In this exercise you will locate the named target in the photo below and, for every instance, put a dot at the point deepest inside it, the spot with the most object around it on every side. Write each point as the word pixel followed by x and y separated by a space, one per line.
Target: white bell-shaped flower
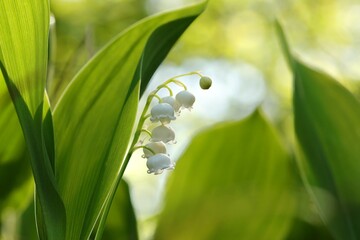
pixel 162 133
pixel 162 112
pixel 186 99
pixel 158 163
pixel 172 101
pixel 156 147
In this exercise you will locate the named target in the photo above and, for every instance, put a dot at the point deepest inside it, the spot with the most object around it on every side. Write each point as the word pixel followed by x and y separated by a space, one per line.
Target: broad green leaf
pixel 158 46
pixel 233 182
pixel 27 226
pixel 327 118
pixel 24 27
pixel 94 119
pixel 327 125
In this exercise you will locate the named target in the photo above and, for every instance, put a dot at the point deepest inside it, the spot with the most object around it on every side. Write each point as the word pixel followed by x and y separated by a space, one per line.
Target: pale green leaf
pixel 233 182
pixel 24 27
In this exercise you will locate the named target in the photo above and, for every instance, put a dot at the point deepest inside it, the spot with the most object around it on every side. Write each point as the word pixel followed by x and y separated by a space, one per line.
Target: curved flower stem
pixel 168 88
pixel 177 82
pixel 156 96
pixel 144 147
pixel 146 131
pixel 188 74
pixel 174 79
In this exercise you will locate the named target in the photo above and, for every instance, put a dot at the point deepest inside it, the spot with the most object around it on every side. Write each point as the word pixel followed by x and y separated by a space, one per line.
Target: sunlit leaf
pixel 327 118
pixel 24 33
pixel 233 182
pixel 93 120
pixel 24 29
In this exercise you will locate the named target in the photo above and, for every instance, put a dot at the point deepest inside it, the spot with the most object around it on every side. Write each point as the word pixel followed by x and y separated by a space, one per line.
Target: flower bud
pixel 158 163
pixel 162 112
pixel 162 133
pixel 185 98
pixel 156 147
pixel 205 82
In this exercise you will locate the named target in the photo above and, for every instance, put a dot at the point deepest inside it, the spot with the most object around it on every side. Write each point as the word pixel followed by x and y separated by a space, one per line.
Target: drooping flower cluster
pixel 162 113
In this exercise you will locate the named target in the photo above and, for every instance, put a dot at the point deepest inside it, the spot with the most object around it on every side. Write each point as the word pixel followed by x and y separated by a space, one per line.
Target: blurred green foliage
pixel 323 33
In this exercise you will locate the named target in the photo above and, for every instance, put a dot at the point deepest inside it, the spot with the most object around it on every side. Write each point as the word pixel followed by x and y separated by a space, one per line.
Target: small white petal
pixel 185 98
pixel 162 112
pixel 159 162
pixel 157 147
pixel 173 102
pixel 162 133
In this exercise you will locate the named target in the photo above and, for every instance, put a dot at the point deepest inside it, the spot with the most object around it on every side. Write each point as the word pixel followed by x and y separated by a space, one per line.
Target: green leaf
pixel 93 120
pixel 284 44
pixel 24 27
pixel 234 181
pixel 327 118
pixel 121 223
pixel 27 225
pixel 15 171
pixel 157 47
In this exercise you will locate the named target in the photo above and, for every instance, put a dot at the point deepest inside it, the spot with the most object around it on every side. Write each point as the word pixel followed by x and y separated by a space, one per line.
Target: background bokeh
pixel 234 43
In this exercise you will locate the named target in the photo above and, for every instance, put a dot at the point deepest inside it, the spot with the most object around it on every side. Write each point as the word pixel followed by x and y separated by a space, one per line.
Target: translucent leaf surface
pixel 94 118
pixel 24 29
pixel 327 124
pixel 233 182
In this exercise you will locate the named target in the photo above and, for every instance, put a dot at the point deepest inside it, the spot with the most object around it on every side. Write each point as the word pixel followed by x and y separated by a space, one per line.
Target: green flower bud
pixel 205 82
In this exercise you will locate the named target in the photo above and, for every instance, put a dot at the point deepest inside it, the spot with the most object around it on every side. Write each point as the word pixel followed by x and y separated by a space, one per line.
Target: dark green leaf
pixel 327 118
pixel 121 223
